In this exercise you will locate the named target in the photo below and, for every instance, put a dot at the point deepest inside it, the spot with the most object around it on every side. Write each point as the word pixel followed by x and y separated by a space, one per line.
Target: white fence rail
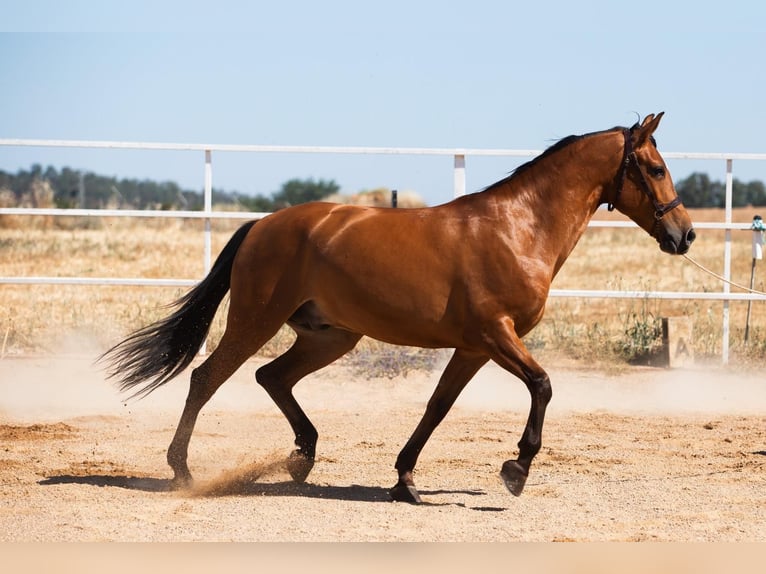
pixel 459 155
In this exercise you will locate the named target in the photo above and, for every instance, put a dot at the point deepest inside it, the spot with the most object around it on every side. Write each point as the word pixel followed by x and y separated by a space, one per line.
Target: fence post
pixel 208 205
pixel 758 230
pixel 727 264
pixel 459 175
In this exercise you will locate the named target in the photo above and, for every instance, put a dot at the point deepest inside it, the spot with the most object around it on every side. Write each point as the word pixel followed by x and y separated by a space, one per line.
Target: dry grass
pixel 611 258
pixel 77 319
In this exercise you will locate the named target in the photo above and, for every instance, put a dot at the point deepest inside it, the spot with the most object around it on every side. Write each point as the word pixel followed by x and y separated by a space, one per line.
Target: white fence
pixel 459 155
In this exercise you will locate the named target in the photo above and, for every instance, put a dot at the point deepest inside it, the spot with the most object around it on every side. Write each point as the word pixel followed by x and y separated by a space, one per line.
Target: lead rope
pixel 720 278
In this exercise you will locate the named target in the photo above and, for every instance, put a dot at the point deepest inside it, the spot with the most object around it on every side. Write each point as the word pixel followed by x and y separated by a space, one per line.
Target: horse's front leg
pixel 514 472
pixel 512 355
pixel 461 368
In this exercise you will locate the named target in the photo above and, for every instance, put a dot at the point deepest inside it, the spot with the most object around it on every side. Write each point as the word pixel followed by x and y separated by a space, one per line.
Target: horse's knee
pixel 540 388
pixel 544 389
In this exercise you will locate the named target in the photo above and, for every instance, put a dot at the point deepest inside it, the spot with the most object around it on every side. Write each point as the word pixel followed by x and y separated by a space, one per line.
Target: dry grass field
pixel 612 258
pixel 86 319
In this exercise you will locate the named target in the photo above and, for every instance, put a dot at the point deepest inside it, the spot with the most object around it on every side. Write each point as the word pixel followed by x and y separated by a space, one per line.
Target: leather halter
pixel 629 156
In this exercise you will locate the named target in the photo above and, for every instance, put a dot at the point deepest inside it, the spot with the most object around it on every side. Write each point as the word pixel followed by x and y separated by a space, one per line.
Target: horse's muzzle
pixel 677 244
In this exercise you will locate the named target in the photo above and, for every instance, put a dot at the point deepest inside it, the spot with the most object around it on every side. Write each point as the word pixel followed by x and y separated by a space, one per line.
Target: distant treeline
pixel 698 190
pixel 68 188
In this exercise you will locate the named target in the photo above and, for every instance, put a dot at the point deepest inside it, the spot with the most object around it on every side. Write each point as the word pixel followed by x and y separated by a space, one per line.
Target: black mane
pixel 559 145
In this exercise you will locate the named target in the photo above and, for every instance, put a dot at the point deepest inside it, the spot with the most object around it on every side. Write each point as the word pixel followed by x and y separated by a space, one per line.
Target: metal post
pixel 208 208
pixel 749 302
pixel 727 264
pixel 758 229
pixel 459 175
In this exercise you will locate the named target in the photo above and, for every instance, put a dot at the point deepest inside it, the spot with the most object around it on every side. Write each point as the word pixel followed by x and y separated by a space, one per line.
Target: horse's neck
pixel 552 203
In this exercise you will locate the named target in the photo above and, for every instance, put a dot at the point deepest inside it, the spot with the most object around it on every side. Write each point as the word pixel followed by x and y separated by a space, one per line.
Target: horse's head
pixel 644 190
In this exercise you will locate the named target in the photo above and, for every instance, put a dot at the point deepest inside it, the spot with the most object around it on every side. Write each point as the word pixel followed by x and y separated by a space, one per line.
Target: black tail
pixel 155 354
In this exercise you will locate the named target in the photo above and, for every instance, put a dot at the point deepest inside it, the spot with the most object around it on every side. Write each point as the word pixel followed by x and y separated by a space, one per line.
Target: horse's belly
pixel 391 324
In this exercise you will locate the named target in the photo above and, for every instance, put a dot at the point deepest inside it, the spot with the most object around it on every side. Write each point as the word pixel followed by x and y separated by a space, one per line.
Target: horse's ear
pixel 647 128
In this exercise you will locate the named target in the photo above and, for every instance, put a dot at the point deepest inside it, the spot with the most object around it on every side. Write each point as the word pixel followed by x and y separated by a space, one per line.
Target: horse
pixel 471 275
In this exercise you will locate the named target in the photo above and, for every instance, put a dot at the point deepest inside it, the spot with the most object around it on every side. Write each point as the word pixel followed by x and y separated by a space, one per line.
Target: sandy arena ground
pixel 649 454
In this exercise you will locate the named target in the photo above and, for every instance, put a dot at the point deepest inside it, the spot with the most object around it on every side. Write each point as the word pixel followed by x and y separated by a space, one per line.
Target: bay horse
pixel 472 275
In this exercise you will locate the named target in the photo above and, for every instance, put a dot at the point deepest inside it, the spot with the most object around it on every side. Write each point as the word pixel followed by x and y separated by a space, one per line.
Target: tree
pixel 754 193
pixel 256 203
pixel 297 191
pixel 698 191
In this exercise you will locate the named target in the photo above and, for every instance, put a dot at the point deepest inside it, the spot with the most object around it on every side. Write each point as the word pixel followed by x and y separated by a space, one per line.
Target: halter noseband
pixel 629 156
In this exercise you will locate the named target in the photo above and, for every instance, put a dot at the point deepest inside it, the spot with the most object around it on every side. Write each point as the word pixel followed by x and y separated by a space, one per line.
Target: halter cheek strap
pixel 629 156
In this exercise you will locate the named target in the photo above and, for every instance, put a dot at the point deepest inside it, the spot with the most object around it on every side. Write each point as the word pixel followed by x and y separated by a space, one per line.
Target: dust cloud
pixel 239 480
pixel 48 389
pixel 637 390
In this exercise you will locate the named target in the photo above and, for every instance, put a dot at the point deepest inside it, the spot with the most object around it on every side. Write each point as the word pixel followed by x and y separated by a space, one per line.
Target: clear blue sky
pixel 479 74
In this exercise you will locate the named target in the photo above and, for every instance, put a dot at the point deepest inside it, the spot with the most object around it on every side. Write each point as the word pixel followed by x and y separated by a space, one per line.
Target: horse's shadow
pixel 351 493
pixel 145 484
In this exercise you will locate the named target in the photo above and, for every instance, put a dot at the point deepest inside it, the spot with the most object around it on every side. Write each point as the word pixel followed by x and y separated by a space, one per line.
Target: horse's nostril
pixel 691 235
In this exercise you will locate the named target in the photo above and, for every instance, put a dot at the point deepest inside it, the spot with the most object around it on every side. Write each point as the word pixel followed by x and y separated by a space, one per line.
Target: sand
pixel 643 454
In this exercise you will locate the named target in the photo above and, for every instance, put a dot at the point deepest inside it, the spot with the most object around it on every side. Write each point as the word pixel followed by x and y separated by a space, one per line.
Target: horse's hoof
pixel 181 482
pixel 514 476
pixel 405 493
pixel 299 466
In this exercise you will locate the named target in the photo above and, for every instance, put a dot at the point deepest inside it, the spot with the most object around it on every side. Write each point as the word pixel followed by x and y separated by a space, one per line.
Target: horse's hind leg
pixel 233 350
pixel 311 351
pixel 461 368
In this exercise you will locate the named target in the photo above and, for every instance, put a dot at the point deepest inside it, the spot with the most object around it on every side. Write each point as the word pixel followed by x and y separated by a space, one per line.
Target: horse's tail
pixel 158 352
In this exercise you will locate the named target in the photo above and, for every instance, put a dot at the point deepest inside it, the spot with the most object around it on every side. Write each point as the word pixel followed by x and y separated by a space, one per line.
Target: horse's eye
pixel 658 171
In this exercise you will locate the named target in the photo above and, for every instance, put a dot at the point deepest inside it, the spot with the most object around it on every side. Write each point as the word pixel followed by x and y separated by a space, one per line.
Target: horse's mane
pixel 557 146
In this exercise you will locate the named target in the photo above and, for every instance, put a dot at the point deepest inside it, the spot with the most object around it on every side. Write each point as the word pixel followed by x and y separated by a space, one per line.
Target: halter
pixel 660 209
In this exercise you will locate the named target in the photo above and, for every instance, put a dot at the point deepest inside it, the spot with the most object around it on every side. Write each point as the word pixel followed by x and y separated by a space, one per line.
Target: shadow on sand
pixel 354 492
